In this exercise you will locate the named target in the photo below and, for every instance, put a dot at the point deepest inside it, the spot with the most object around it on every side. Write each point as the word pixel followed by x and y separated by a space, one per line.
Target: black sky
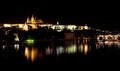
pixel 98 14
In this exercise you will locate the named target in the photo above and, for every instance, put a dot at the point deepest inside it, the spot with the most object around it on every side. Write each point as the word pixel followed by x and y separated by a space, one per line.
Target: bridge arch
pixel 109 37
pixel 117 37
pixel 100 37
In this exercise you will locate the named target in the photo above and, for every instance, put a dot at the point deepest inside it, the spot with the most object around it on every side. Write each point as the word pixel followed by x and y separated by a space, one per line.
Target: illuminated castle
pixel 33 20
pixel 33 23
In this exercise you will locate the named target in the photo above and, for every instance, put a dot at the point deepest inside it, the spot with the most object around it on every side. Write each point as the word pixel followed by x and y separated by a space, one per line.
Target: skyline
pixel 97 15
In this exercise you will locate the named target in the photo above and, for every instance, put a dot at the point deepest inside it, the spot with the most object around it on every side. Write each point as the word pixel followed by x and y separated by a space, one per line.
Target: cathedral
pixel 33 20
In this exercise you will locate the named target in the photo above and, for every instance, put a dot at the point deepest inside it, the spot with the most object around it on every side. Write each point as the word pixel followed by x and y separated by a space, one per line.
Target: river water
pixel 57 53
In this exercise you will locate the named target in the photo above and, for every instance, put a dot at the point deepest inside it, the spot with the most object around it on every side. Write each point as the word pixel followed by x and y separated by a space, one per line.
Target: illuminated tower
pixel 28 20
pixel 33 20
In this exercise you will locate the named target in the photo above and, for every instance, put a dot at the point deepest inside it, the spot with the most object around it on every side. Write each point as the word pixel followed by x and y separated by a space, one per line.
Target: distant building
pixel 33 23
pixel 85 27
pixel 33 20
pixel 30 22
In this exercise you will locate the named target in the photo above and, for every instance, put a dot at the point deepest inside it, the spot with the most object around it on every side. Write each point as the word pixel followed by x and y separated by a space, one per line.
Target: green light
pixel 29 41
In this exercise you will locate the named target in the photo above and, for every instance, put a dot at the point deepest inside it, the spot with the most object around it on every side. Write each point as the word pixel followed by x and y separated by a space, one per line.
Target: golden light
pixel 100 37
pixel 20 25
pixel 86 49
pixel 27 53
pixel 109 43
pixel 33 21
pixel 85 27
pixel 81 27
pixel 81 48
pixel 33 26
pixel 109 37
pixel 117 37
pixel 6 25
pixel 31 54
pixel 28 20
pixel 25 27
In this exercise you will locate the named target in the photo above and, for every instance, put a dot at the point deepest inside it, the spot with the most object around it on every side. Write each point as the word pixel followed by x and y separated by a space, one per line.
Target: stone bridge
pixel 108 37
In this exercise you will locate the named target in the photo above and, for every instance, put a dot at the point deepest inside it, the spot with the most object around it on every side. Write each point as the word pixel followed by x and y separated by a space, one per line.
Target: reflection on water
pixel 7 46
pixel 16 46
pixel 49 51
pixel 69 47
pixel 58 48
pixel 31 53
pixel 84 47
pixel 101 44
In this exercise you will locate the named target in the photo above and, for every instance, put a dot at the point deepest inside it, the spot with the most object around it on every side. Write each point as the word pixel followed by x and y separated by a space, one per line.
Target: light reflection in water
pixel 27 53
pixel 99 44
pixel 60 50
pixel 84 48
pixel 117 43
pixel 81 48
pixel 31 54
pixel 70 47
pixel 4 46
pixel 107 43
pixel 49 51
pixel 16 46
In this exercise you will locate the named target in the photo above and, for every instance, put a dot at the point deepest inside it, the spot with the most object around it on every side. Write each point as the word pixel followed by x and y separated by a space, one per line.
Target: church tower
pixel 28 20
pixel 33 20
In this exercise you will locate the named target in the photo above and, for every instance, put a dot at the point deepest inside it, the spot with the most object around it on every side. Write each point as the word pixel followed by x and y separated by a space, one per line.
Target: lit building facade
pixel 35 23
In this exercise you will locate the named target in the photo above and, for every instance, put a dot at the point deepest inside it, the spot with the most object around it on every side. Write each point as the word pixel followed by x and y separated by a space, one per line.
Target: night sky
pixel 98 14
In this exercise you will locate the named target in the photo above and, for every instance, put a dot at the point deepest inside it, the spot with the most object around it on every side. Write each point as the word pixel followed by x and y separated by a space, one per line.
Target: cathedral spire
pixel 33 20
pixel 28 20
